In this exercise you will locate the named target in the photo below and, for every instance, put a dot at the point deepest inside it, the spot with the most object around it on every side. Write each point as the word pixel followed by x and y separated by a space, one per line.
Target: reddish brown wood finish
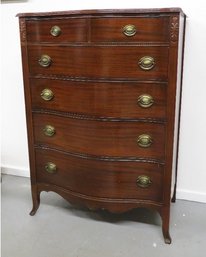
pixel 96 80
pixel 101 178
pixel 104 138
pixel 39 31
pixel 87 61
pixel 149 29
pixel 117 99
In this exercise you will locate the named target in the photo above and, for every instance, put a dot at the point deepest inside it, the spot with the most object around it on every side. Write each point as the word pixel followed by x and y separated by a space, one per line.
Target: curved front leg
pixel 166 235
pixel 165 214
pixel 36 200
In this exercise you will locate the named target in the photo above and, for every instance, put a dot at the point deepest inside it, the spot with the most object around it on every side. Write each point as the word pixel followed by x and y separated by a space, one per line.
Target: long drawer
pixel 117 99
pixel 110 179
pixel 99 137
pixel 126 62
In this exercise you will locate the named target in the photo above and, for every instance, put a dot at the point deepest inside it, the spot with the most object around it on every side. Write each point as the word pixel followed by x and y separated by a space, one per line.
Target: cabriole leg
pixel 36 200
pixel 174 195
pixel 165 214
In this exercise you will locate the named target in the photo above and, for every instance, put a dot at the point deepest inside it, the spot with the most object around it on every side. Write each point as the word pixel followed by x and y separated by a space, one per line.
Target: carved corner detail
pixel 22 25
pixel 174 29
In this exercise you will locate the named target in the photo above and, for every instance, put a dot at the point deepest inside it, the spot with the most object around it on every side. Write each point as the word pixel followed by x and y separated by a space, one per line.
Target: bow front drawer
pixel 100 137
pixel 117 99
pixel 111 179
pixel 87 61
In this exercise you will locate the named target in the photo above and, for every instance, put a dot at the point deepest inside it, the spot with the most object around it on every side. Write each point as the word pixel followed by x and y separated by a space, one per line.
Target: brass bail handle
pixel 145 101
pixel 51 167
pixel 55 31
pixel 144 140
pixel 45 60
pixel 129 30
pixel 47 94
pixel 146 63
pixel 144 181
pixel 49 130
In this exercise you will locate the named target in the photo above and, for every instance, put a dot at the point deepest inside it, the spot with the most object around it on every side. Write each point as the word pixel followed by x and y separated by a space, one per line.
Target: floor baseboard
pixel 15 171
pixel 191 195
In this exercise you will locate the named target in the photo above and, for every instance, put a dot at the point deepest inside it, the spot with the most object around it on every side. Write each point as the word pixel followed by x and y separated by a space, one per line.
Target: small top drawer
pixel 143 29
pixel 57 30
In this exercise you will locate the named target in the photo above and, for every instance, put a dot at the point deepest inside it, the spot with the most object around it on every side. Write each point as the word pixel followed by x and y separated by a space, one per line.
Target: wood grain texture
pixel 99 203
pixel 149 29
pixel 71 30
pixel 100 99
pixel 99 137
pixel 106 179
pixel 87 61
pixel 96 80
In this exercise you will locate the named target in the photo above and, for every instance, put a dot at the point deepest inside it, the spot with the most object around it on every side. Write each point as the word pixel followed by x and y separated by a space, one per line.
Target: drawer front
pixel 125 100
pixel 57 30
pixel 100 61
pixel 102 138
pixel 143 29
pixel 110 179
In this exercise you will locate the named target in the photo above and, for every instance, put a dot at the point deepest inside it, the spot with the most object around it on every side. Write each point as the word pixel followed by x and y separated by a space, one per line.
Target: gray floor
pixel 60 230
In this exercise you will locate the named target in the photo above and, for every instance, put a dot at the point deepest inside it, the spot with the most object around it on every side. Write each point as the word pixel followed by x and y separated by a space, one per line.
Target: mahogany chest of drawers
pixel 102 93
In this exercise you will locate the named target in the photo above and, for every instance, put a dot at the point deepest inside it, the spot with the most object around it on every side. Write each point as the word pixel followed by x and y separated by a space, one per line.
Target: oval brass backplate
pixel 45 60
pixel 144 181
pixel 49 130
pixel 55 31
pixel 51 167
pixel 146 62
pixel 145 100
pixel 47 94
pixel 129 30
pixel 144 140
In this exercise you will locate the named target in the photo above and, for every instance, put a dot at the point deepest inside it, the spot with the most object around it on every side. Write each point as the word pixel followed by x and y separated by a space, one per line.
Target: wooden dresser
pixel 102 91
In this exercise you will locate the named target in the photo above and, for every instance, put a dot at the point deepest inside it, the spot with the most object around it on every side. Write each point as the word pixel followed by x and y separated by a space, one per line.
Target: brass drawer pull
pixel 47 94
pixel 55 31
pixel 45 60
pixel 146 63
pixel 49 130
pixel 145 101
pixel 144 140
pixel 51 167
pixel 129 30
pixel 144 181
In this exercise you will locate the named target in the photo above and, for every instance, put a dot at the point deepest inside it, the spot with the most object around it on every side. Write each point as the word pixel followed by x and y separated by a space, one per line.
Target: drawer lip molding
pixel 101 44
pixel 103 96
pixel 101 158
pixel 81 116
pixel 103 80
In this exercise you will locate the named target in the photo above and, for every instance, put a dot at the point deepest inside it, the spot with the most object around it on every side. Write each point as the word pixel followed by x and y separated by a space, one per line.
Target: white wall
pixel 192 156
